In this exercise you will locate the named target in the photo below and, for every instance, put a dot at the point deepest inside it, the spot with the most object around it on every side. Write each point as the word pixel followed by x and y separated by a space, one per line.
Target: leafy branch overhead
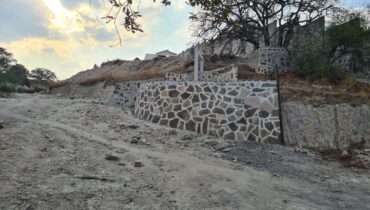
pixel 245 20
pixel 251 21
pixel 130 14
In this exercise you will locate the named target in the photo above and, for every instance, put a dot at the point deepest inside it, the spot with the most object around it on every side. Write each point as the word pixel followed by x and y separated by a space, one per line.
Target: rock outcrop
pixel 326 126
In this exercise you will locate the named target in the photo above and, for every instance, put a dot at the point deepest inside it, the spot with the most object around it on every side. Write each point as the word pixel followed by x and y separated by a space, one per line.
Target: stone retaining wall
pixel 179 77
pixel 231 110
pixel 271 57
pixel 224 74
pixel 125 93
pixel 327 126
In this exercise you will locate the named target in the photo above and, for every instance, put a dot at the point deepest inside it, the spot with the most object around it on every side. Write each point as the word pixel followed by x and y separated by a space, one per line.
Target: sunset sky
pixel 68 36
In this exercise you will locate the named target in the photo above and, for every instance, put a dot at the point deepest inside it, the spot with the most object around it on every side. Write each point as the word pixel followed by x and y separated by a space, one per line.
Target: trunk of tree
pixel 288 37
pixel 281 38
pixel 266 36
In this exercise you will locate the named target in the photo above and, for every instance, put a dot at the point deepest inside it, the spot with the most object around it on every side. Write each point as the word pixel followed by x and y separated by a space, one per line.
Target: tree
pixel 43 75
pixel 6 60
pixel 16 74
pixel 229 20
pixel 346 41
pixel 251 20
pixel 349 36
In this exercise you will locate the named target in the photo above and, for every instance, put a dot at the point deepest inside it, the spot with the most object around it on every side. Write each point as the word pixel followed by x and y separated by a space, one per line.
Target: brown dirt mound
pixel 120 70
pixel 293 88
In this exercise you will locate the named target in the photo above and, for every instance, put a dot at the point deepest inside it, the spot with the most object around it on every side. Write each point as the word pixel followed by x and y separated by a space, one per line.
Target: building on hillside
pixel 164 53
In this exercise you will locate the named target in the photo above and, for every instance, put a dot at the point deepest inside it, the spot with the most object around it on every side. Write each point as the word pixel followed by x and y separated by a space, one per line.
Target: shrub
pixel 1 125
pixel 335 74
pixel 312 63
pixel 343 42
pixel 7 88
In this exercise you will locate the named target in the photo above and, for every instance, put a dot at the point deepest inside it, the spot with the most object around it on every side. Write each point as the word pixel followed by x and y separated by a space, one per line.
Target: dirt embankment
pixel 120 70
pixel 350 91
pixel 329 118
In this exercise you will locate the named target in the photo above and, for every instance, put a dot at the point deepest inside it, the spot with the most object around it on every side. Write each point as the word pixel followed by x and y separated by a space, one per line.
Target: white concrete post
pixel 234 70
pixel 201 65
pixel 196 63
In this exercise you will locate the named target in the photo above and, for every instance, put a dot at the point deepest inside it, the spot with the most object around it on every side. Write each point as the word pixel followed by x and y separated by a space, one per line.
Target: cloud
pixel 48 50
pixel 62 56
pixel 20 19
pixel 72 4
pixel 68 36
pixel 63 49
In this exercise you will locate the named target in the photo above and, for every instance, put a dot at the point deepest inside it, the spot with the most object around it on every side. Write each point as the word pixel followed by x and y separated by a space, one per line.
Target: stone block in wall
pixel 271 58
pixel 230 110
pixel 125 93
pixel 179 77
pixel 224 74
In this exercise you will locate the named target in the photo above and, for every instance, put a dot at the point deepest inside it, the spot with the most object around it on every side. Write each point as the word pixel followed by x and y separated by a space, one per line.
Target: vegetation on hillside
pixel 343 50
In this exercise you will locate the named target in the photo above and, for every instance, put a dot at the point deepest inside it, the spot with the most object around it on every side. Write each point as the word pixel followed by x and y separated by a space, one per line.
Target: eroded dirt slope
pixel 351 91
pixel 58 153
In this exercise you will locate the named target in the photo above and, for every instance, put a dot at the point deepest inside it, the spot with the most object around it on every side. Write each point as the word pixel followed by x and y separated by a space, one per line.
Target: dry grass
pixel 349 91
pixel 113 77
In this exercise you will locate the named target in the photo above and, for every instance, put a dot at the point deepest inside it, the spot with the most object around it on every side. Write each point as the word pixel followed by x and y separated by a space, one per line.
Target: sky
pixel 68 36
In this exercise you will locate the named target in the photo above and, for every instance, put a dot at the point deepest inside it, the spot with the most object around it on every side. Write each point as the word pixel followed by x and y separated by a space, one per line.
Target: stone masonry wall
pixel 230 110
pixel 224 74
pixel 179 77
pixel 271 57
pixel 125 93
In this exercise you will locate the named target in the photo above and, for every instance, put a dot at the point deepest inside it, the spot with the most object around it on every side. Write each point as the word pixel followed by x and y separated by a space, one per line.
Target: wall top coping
pixel 209 82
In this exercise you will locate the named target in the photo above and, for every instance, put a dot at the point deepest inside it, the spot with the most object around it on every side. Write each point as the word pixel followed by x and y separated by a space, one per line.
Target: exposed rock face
pixel 327 126
pixel 97 91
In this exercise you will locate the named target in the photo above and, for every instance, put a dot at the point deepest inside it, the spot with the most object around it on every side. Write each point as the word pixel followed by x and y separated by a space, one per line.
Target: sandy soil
pixel 58 153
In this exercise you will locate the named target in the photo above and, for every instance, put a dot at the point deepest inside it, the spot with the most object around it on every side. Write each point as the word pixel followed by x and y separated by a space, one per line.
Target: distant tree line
pixel 16 77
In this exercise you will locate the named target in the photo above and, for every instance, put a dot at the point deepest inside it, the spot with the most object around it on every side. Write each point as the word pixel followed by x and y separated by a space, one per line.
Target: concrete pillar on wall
pixel 196 63
pixel 201 64
pixel 234 70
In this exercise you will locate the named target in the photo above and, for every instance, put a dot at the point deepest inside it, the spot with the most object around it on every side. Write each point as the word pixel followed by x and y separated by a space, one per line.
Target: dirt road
pixel 59 153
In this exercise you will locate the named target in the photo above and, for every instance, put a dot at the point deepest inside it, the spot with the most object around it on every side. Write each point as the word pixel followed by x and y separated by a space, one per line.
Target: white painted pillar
pixel 201 65
pixel 196 63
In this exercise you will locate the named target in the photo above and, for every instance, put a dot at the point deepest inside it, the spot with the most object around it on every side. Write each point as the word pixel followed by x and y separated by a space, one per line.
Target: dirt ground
pixel 62 153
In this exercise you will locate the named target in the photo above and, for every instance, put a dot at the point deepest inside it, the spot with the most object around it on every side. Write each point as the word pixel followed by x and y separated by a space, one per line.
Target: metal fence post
pixel 282 140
